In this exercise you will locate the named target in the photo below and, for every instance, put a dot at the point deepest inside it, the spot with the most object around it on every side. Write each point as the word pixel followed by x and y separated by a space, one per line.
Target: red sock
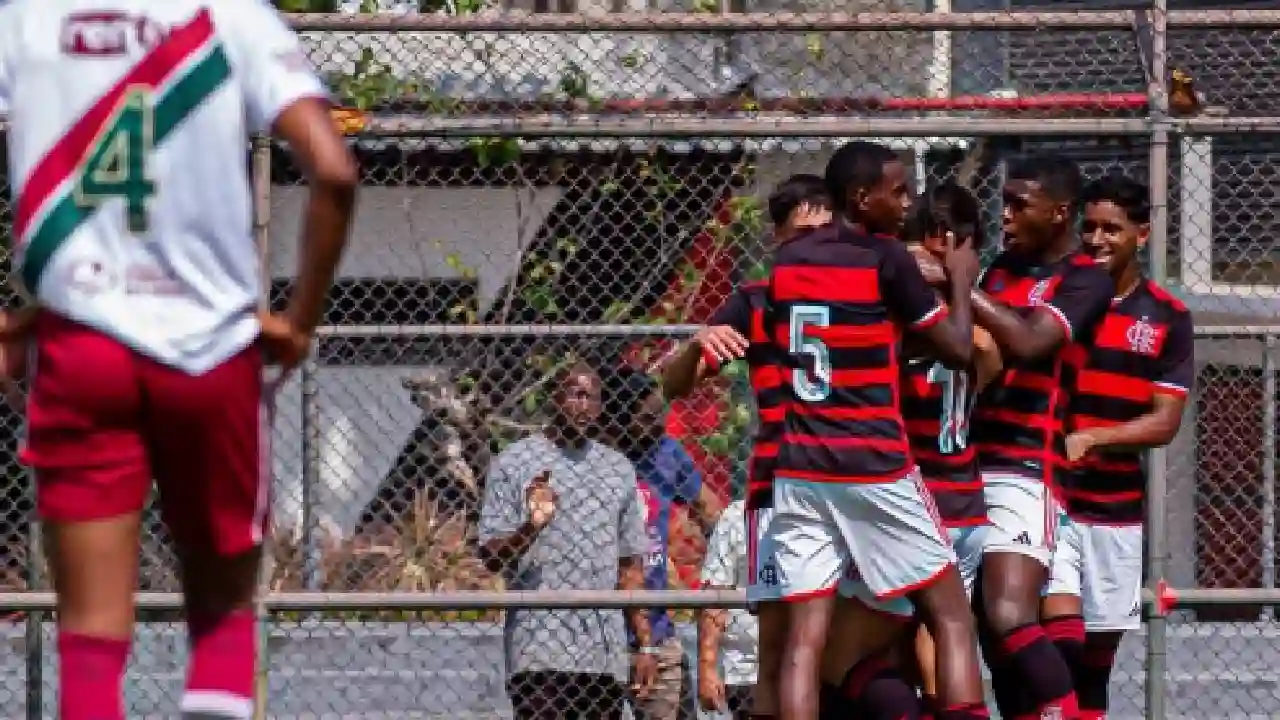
pixel 1093 714
pixel 973 711
pixel 91 671
pixel 220 678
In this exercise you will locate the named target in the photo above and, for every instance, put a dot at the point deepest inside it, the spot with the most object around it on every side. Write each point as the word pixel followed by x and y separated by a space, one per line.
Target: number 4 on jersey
pixel 118 165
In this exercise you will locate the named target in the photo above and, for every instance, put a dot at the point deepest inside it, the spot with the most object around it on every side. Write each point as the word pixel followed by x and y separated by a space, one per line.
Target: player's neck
pixel 1059 248
pixel 1127 280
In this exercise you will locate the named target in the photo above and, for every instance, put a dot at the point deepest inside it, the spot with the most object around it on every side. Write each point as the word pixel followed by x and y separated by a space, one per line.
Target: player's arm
pixel 282 94
pixel 1081 298
pixel 1156 428
pixel 723 340
pixel 947 330
pixel 987 360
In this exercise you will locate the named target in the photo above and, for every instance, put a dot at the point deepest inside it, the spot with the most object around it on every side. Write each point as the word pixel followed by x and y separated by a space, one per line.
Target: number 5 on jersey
pixel 118 164
pixel 812 384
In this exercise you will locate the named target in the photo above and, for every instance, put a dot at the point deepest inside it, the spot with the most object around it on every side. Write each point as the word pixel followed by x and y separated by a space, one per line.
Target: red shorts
pixel 103 422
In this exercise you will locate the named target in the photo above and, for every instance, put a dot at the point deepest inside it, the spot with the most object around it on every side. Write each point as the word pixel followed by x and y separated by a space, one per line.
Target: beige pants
pixel 666 697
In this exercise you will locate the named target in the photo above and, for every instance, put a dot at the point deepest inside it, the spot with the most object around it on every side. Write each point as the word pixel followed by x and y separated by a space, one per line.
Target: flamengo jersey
pixel 744 311
pixel 1017 426
pixel 128 150
pixel 936 404
pixel 838 300
pixel 1144 346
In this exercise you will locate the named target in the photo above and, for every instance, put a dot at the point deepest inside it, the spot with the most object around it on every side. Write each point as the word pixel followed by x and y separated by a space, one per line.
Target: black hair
pixel 797 190
pixel 948 207
pixel 624 389
pixel 1125 193
pixel 1059 177
pixel 856 166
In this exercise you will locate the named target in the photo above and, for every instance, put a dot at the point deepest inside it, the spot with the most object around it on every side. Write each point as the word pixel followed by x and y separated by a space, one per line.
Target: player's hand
pixel 283 342
pixel 644 673
pixel 929 266
pixel 1080 444
pixel 961 261
pixel 722 341
pixel 540 500
pixel 711 689
pixel 810 216
pixel 17 325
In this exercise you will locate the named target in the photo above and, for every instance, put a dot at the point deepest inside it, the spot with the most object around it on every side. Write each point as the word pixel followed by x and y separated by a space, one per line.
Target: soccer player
pixel 1038 296
pixel 737 330
pixel 127 145
pixel 847 497
pixel 1128 396
pixel 937 402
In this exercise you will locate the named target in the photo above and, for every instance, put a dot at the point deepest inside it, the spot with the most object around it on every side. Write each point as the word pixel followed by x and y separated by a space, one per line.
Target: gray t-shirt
pixel 598 519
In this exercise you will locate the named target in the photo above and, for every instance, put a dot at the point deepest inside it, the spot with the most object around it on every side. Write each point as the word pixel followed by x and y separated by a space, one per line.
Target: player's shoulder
pixel 1162 297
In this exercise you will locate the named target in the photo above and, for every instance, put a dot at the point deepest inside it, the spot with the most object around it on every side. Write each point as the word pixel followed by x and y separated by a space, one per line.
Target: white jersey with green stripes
pixel 128 144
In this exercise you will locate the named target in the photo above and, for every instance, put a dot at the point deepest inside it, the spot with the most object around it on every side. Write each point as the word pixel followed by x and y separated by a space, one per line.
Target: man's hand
pixel 16 325
pixel 283 342
pixel 929 266
pixel 644 673
pixel 723 342
pixel 711 689
pixel 540 500
pixel 1080 444
pixel 961 261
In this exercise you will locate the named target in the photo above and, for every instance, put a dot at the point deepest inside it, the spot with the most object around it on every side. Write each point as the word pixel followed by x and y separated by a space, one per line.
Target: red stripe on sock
pixel 1019 638
pixel 1069 627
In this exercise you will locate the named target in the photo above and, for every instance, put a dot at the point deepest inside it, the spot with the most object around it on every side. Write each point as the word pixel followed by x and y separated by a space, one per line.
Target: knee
pixel 953 623
pixel 1006 611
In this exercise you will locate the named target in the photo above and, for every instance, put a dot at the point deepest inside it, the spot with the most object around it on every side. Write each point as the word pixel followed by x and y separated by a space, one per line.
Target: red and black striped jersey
pixel 838 301
pixel 744 311
pixel 1017 425
pixel 1144 346
pixel 936 404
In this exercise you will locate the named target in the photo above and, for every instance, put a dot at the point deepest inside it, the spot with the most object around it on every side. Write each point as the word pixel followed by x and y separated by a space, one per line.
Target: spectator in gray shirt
pixel 562 511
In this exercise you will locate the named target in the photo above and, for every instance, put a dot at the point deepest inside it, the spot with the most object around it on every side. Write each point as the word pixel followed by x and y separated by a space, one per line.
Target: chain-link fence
pixel 551 201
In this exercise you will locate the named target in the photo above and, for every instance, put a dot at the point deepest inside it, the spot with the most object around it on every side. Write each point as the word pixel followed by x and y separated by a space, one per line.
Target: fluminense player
pixel 1128 396
pixel 128 138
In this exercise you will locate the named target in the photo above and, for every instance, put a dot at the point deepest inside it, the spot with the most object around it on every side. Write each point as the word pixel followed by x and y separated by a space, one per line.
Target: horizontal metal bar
pixel 1221 125
pixel 506 330
pixel 697 22
pixel 1224 19
pixel 762 125
pixel 1191 598
pixel 526 600
pixel 1258 331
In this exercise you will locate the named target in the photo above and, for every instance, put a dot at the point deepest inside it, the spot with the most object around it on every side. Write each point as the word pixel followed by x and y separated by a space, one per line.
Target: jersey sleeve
pixel 1176 366
pixel 1081 299
pixel 273 68
pixel 905 291
pixel 735 312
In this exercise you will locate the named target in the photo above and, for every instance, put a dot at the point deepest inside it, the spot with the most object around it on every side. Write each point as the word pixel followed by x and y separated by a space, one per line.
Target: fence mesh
pixel 526 230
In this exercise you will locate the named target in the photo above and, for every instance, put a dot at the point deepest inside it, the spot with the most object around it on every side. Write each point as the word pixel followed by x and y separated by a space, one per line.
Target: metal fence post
pixel 35 622
pixel 1157 479
pixel 311 460
pixel 1269 468
pixel 261 180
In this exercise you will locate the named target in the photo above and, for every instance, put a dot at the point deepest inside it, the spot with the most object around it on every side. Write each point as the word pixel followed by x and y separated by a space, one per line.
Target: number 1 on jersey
pixel 814 384
pixel 118 165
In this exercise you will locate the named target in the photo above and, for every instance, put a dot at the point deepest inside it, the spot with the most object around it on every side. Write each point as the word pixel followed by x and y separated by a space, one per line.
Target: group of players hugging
pixel 948 460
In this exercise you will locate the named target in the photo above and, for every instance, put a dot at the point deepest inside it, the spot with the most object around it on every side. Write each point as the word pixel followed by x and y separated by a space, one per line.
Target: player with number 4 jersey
pixel 128 137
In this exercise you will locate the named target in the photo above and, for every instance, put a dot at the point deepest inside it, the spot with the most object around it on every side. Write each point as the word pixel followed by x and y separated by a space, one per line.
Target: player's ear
pixel 1144 232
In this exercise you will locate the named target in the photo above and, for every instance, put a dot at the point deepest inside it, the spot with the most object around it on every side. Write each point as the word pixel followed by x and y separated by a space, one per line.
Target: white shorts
pixel 1023 516
pixel 1101 565
pixel 968 543
pixel 829 536
pixel 763 583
